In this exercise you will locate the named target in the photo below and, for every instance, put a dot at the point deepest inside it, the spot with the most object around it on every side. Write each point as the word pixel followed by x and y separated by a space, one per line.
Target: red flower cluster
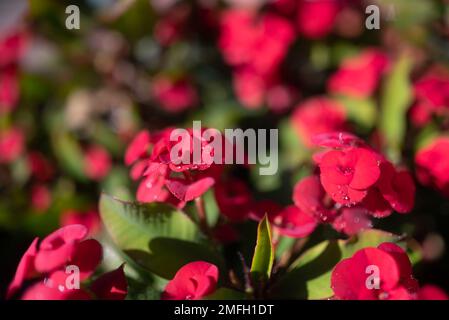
pixel 174 96
pixel 359 76
pixel 47 265
pixel 11 47
pixel 192 282
pixel 382 273
pixel 11 144
pixel 431 98
pixel 237 204
pixel 432 165
pixel 354 181
pixel 163 179
pixel 317 18
pixel 255 47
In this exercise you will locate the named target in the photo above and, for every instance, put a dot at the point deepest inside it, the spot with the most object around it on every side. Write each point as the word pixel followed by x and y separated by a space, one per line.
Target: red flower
pixel 11 145
pixel 9 89
pixel 347 175
pixel 316 18
pixel 431 97
pixel 431 292
pixel 48 263
pixel 174 96
pixel 40 167
pixel 310 197
pixel 53 288
pixel 294 223
pixel 156 168
pixel 65 246
pixel 397 187
pixel 250 87
pixel 255 46
pixel 97 162
pixel 40 197
pixel 11 47
pixel 193 281
pixel 233 199
pixel 432 165
pixel 90 219
pixel 318 116
pixel 359 76
pixel 350 278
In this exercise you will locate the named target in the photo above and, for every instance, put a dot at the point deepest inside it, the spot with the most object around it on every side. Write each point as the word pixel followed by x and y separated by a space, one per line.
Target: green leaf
pixel 396 99
pixel 158 237
pixel 263 257
pixel 309 276
pixel 69 154
pixel 362 111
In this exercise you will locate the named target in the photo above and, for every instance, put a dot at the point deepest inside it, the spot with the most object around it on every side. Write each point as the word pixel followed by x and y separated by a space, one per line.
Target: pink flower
pixel 192 282
pixel 432 165
pixel 174 96
pixel 11 145
pixel 316 116
pixel 97 162
pixel 350 276
pixel 316 18
pixel 359 76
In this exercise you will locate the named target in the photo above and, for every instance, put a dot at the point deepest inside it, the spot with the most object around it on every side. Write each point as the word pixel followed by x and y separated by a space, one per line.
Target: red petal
pixel 138 147
pixel 193 281
pixel 366 170
pixel 184 191
pixel 349 276
pixel 111 285
pixel 87 257
pixel 58 248
pixel 25 269
pixel 293 222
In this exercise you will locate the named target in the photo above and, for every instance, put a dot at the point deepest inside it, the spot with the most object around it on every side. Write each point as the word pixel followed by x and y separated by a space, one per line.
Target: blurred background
pixel 72 99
